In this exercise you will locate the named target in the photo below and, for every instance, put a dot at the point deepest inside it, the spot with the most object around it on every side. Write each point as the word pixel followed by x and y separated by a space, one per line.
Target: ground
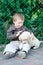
pixel 35 57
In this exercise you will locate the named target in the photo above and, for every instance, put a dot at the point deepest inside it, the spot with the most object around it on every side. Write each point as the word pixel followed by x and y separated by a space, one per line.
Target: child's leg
pixel 24 50
pixel 11 49
pixel 26 47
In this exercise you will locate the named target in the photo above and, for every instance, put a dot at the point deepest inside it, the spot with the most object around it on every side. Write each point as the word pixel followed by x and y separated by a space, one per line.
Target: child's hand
pixel 18 33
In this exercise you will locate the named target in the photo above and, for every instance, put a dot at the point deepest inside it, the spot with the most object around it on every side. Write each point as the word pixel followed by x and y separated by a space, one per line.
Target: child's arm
pixel 11 34
pixel 18 33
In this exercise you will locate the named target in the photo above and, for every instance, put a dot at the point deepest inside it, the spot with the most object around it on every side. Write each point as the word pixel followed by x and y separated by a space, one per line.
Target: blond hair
pixel 18 14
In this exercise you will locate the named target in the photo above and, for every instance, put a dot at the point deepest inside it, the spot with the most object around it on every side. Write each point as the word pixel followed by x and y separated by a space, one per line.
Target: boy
pixel 13 33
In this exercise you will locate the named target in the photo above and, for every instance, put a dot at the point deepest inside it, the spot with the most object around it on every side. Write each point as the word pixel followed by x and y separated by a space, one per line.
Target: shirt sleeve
pixel 11 34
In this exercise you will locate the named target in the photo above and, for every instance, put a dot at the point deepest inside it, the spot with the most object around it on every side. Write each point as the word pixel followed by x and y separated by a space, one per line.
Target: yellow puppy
pixel 26 37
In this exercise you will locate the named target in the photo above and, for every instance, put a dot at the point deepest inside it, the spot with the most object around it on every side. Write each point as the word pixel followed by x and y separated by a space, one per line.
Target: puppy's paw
pixel 35 47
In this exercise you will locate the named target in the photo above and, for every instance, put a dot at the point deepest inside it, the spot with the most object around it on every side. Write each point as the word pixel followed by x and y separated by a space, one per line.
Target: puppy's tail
pixel 41 41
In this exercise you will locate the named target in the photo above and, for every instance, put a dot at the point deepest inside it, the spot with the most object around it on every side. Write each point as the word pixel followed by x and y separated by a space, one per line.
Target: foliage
pixel 33 16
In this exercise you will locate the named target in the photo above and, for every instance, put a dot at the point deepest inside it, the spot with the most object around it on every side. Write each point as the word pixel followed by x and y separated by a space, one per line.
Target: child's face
pixel 18 23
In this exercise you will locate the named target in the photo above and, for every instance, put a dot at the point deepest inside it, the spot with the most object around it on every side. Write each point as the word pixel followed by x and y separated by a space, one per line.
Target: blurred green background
pixel 32 10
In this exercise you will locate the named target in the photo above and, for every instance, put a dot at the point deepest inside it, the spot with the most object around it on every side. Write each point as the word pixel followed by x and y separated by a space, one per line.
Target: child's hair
pixel 18 14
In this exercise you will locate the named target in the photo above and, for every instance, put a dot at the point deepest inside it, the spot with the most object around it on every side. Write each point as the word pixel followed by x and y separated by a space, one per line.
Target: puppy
pixel 30 38
pixel 27 38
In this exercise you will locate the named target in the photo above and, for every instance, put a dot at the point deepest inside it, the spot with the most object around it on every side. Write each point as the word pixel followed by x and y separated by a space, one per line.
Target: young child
pixel 13 33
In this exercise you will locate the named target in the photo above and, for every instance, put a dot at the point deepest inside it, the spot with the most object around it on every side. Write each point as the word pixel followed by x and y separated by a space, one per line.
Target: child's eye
pixel 14 20
pixel 20 23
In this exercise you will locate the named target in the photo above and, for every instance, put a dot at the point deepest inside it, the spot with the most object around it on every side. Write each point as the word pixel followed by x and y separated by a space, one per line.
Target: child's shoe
pixel 8 55
pixel 22 54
